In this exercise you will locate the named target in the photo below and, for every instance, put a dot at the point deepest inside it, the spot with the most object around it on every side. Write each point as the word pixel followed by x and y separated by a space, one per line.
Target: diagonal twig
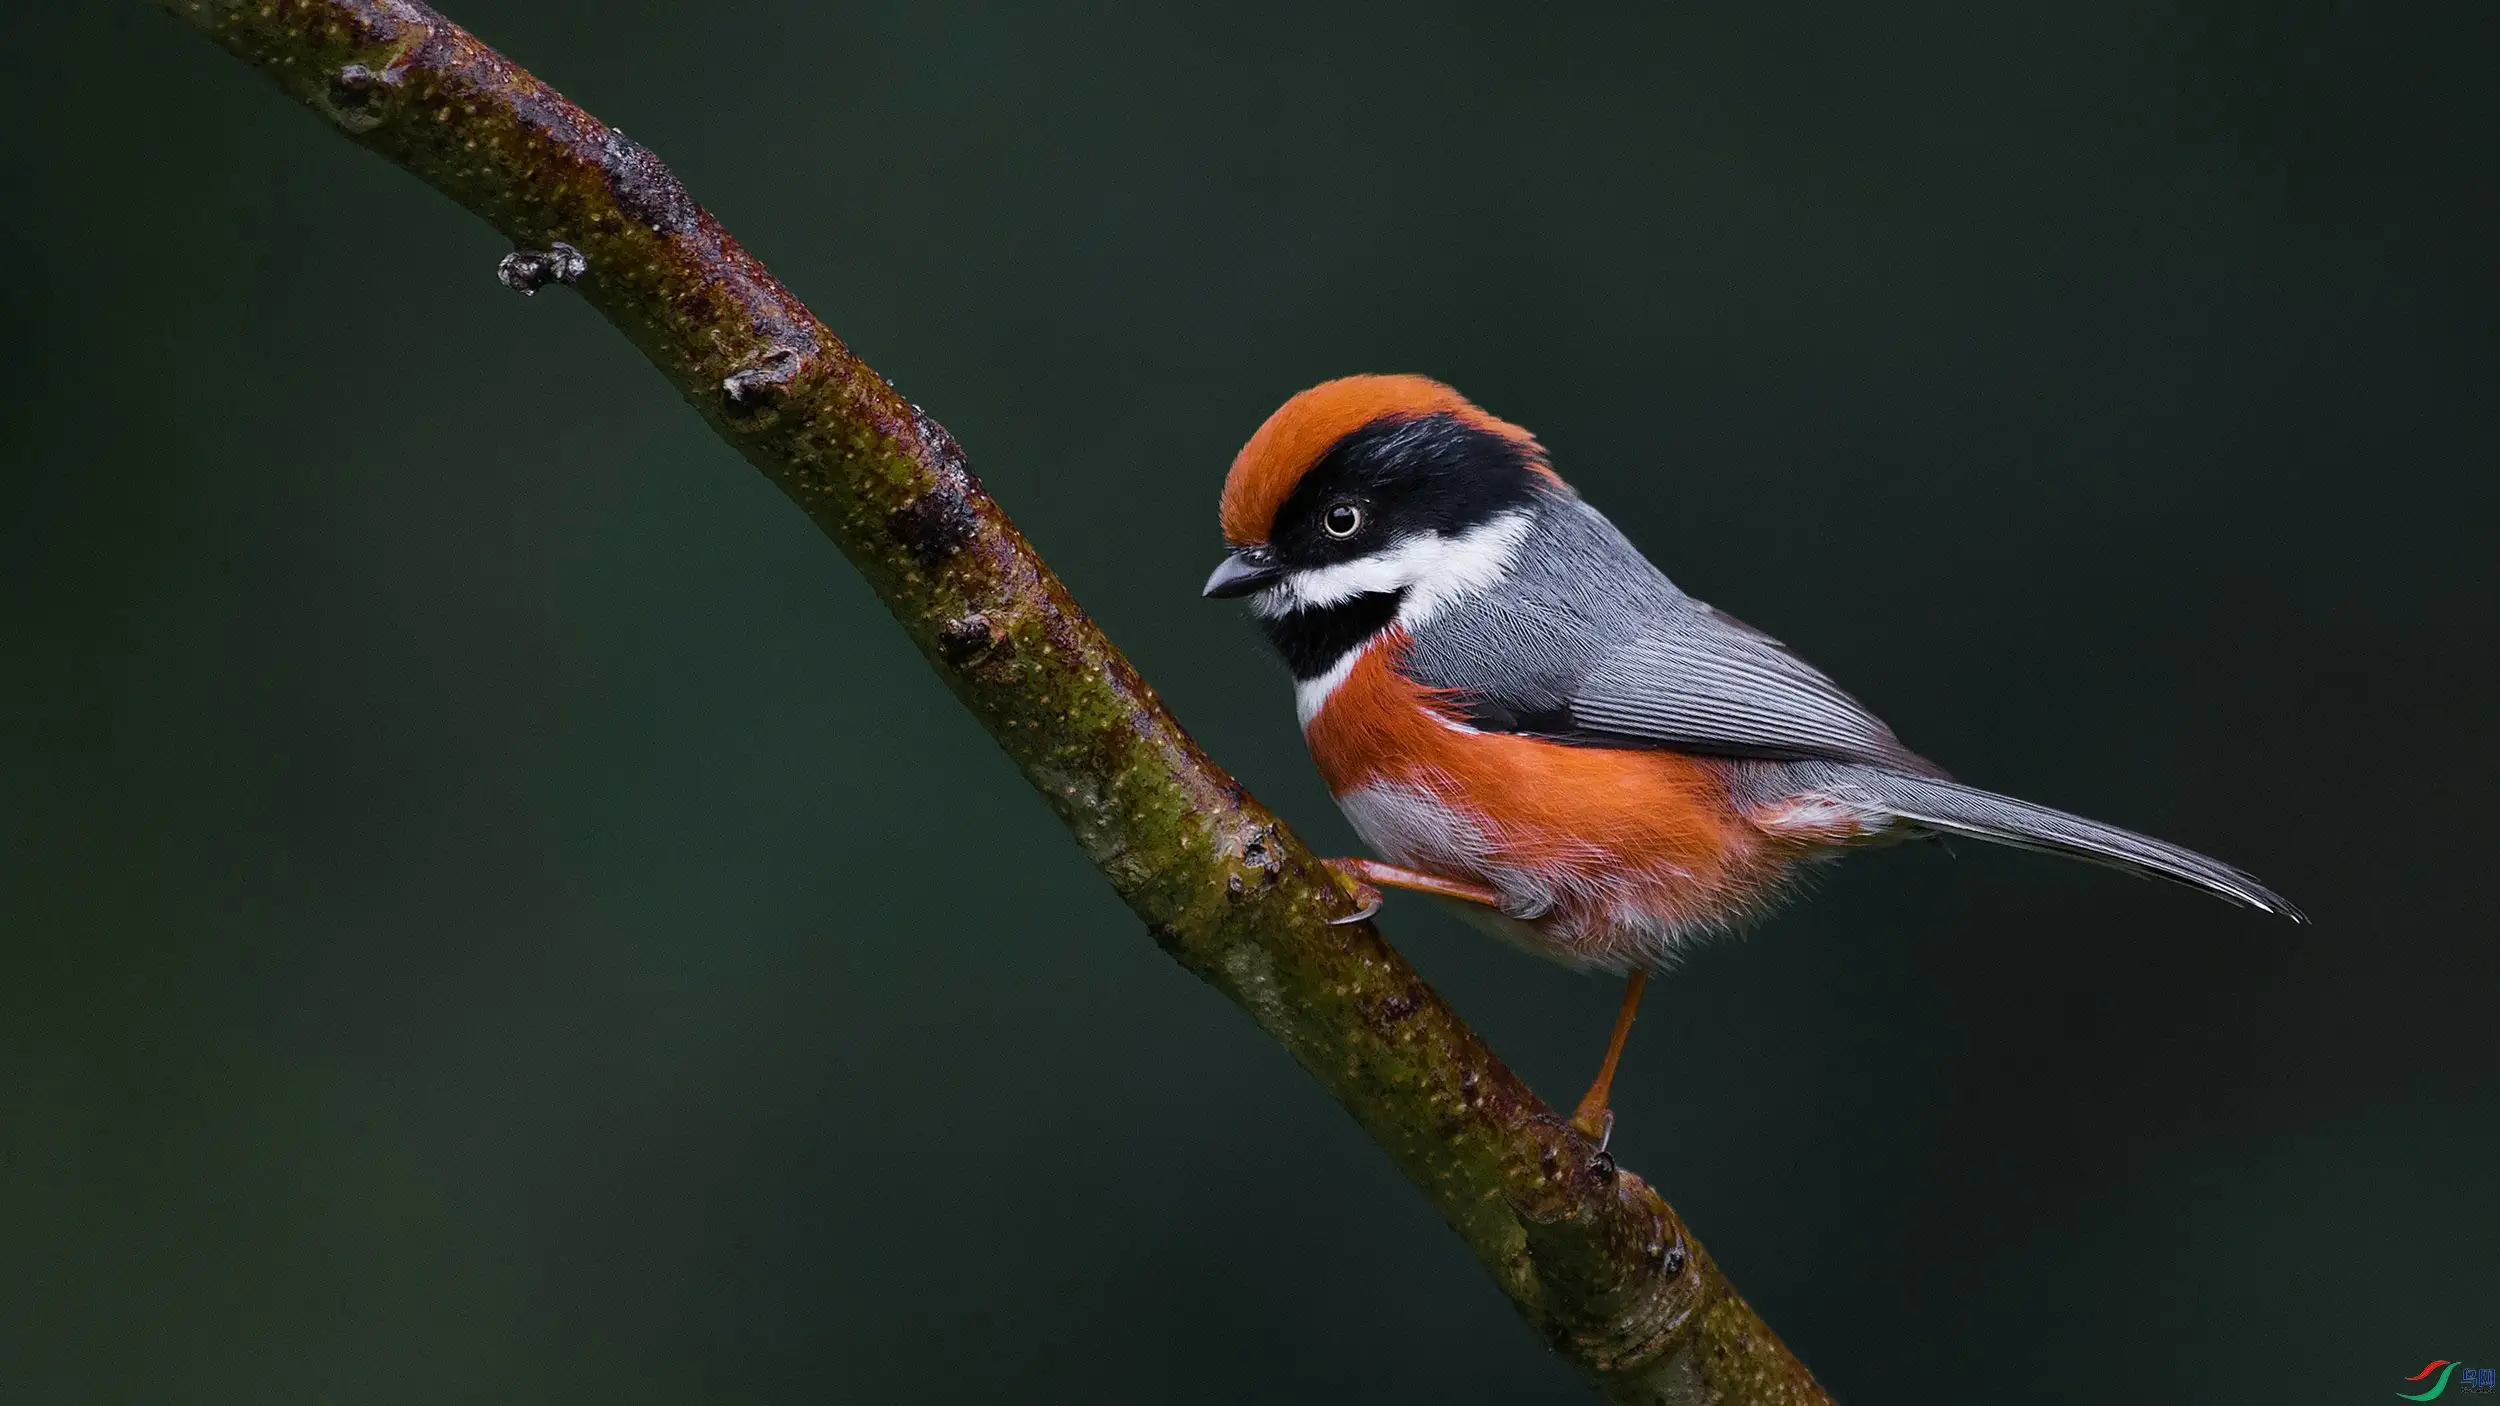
pixel 1597 1262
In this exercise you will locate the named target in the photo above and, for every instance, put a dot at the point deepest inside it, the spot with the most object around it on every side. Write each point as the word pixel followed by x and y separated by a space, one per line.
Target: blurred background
pixel 491 909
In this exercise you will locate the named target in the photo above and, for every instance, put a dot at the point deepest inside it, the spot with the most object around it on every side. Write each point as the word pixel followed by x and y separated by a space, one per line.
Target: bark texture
pixel 1597 1262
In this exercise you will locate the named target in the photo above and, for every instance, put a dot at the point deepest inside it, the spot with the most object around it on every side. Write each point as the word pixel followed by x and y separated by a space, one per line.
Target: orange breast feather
pixel 1642 838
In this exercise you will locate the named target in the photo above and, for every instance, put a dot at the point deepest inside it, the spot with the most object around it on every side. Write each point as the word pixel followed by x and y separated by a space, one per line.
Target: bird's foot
pixel 1596 1124
pixel 1595 1118
pixel 1364 878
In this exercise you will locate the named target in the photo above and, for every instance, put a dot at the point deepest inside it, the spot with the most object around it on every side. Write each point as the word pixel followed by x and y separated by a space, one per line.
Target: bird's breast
pixel 1610 854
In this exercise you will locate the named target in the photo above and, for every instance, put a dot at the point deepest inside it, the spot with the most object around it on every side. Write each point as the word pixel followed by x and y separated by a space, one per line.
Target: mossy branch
pixel 1600 1265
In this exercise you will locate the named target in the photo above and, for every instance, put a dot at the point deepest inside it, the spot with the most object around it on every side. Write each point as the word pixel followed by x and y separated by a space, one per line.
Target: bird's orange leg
pixel 1593 1118
pixel 1361 875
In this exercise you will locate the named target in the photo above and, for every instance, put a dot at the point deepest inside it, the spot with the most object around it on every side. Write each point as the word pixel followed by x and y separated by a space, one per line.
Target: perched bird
pixel 1517 711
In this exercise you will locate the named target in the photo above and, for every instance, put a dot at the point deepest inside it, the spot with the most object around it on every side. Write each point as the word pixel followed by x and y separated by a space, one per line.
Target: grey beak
pixel 1241 573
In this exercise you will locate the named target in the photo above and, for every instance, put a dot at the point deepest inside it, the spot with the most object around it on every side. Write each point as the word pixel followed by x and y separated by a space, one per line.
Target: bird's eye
pixel 1343 520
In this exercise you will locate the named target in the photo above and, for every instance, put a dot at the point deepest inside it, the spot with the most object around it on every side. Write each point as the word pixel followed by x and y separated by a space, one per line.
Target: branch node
pixel 355 97
pixel 525 271
pixel 963 640
pixel 753 386
pixel 1621 1284
pixel 1261 864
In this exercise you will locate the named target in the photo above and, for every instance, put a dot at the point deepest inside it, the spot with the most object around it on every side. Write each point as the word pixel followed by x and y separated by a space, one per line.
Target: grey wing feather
pixel 1706 682
pixel 1588 643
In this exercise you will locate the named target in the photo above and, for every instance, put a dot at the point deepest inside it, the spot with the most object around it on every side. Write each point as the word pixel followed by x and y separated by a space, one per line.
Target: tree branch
pixel 1600 1265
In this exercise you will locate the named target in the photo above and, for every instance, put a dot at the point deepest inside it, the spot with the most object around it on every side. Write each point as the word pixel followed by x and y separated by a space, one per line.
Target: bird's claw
pixel 1366 897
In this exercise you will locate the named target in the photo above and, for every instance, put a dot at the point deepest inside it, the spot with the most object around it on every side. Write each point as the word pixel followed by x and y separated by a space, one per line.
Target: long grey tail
pixel 1983 815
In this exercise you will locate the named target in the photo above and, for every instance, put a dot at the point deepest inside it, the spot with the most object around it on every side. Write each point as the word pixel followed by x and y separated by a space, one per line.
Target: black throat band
pixel 1312 641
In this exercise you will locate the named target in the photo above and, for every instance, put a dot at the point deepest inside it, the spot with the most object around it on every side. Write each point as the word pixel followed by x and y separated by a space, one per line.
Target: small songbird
pixel 1520 713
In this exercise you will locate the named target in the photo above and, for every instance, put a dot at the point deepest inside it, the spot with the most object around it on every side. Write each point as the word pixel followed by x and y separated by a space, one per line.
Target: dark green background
pixel 493 910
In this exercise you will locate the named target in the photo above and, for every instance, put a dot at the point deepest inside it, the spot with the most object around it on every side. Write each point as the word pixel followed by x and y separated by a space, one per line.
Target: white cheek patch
pixel 1433 569
pixel 1473 561
pixel 1323 586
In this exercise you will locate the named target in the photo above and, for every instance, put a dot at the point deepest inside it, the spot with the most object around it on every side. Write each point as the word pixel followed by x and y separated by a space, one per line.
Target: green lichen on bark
pixel 1594 1258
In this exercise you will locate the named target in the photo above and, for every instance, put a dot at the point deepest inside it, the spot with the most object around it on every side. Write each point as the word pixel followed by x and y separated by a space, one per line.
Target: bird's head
pixel 1376 486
